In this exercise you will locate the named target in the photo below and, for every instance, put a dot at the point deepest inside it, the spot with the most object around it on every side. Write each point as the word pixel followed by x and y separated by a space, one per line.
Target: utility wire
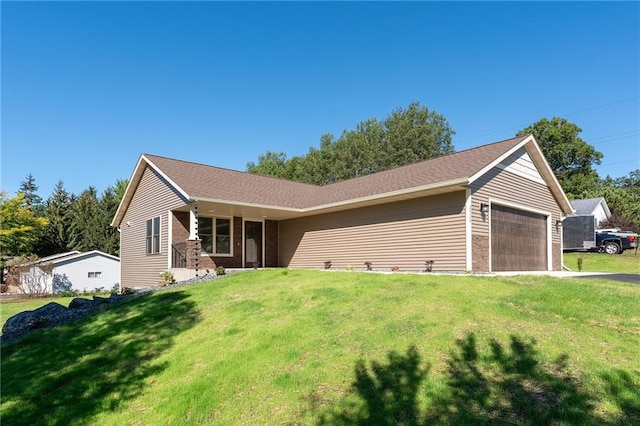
pixel 519 127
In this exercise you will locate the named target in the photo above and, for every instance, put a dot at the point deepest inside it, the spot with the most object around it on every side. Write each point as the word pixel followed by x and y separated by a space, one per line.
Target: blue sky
pixel 89 86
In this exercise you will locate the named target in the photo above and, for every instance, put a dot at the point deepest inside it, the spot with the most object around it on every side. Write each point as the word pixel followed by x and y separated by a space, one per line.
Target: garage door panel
pixel 518 240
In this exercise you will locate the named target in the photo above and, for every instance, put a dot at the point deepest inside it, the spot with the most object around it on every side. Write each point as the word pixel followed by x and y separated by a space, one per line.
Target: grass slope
pixel 304 347
pixel 628 262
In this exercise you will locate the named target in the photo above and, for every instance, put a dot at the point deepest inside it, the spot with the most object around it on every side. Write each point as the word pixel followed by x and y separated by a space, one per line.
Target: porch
pixel 201 242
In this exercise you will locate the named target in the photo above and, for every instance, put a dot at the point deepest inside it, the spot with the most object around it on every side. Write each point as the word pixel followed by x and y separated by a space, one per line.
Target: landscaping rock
pixel 54 314
pixel 79 302
pixel 100 300
pixel 29 320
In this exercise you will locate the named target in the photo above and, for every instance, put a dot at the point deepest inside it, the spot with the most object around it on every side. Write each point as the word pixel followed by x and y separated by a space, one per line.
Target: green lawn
pixel 628 262
pixel 315 347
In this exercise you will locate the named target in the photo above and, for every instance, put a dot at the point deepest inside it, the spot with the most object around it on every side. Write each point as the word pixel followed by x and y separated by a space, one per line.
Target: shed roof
pixel 588 205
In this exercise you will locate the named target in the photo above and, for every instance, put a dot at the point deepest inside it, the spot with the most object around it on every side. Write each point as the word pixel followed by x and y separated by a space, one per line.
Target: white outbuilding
pixel 82 272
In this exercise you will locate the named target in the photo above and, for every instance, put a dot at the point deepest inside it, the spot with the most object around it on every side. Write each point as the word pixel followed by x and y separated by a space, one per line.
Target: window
pixel 215 235
pixel 153 235
pixel 94 274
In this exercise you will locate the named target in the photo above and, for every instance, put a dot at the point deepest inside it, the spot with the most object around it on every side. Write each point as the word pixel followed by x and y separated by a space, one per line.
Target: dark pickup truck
pixel 579 233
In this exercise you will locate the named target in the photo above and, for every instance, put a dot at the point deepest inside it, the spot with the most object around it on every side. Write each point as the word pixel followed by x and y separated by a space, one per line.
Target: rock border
pixel 54 314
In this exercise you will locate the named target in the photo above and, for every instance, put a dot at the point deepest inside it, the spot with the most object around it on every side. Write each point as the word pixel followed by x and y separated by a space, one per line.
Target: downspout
pixel 120 262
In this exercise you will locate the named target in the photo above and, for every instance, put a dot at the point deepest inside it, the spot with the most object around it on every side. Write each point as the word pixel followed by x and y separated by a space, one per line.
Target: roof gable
pixel 589 205
pixel 201 182
pixel 75 256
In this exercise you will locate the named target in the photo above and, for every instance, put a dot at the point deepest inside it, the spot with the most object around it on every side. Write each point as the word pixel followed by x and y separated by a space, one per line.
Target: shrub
pixel 31 275
pixel 220 270
pixel 167 278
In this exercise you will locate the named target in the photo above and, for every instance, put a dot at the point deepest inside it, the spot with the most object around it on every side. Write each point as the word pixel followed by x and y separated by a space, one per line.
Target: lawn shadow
pixel 501 385
pixel 390 393
pixel 69 374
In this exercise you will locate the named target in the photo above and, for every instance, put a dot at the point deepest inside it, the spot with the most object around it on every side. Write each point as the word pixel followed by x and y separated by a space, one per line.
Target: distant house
pixel 496 207
pixel 81 271
pixel 592 207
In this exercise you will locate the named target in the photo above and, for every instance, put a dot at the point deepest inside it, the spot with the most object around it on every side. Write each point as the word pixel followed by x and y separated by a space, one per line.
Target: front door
pixel 252 244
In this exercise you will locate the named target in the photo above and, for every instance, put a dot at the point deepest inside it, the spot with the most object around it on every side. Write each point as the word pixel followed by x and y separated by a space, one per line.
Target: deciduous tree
pixel 570 157
pixel 405 136
pixel 19 227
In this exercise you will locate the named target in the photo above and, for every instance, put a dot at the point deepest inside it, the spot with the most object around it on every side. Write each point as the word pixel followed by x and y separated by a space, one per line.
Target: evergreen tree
pixel 55 238
pixel 85 229
pixel 29 188
pixel 110 237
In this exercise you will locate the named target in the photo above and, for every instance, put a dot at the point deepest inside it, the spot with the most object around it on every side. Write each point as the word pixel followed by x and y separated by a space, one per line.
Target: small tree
pixel 19 227
pixel 619 221
pixel 31 277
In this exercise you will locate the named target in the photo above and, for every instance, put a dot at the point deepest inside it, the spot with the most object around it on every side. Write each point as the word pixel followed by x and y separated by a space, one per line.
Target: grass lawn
pixel 628 262
pixel 315 347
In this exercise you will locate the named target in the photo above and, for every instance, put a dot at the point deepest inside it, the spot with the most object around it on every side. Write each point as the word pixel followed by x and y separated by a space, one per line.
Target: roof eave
pixel 134 180
pixel 388 196
pixel 439 187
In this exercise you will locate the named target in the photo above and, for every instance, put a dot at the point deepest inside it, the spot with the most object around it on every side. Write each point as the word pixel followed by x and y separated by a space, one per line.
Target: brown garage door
pixel 518 240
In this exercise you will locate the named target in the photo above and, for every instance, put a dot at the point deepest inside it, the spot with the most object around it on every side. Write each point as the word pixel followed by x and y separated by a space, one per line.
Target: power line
pixel 611 139
pixel 560 115
pixel 623 134
pixel 602 106
pixel 637 161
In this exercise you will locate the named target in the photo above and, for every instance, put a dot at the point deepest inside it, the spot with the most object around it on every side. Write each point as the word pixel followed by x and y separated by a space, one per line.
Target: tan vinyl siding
pixel 153 197
pixel 502 185
pixel 505 186
pixel 402 234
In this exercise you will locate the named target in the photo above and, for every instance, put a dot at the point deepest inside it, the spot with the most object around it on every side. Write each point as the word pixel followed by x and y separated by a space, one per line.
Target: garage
pixel 518 240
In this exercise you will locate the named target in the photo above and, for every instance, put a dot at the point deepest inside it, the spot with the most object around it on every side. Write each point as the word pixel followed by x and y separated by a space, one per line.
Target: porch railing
pixel 179 255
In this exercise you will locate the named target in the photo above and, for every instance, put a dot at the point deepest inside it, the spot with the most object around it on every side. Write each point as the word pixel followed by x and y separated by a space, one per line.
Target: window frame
pixel 153 241
pixel 214 236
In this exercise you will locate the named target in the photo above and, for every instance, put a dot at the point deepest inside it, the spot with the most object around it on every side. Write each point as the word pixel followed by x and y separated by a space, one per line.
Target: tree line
pixel 63 222
pixel 415 133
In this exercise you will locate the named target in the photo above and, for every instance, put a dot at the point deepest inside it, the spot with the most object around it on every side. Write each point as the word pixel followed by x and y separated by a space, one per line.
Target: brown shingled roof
pixel 200 181
pixel 273 197
pixel 214 183
pixel 447 168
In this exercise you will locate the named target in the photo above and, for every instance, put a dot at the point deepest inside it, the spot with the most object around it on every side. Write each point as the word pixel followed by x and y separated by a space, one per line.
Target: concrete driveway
pixel 628 278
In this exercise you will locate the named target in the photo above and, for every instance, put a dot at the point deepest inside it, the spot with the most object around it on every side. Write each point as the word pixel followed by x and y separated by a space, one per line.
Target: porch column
pixel 193 221
pixel 193 245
